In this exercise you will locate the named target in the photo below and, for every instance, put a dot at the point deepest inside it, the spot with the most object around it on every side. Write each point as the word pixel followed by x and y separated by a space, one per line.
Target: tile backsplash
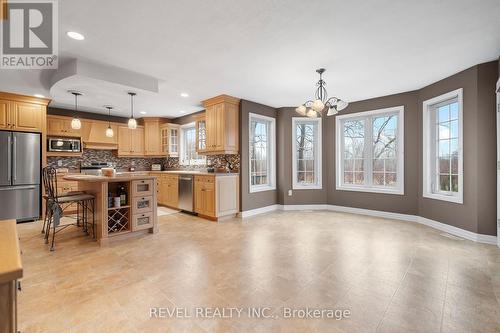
pixel 140 163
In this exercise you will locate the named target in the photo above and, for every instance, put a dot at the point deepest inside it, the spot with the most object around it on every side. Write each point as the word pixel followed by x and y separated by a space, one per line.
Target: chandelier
pixel 321 101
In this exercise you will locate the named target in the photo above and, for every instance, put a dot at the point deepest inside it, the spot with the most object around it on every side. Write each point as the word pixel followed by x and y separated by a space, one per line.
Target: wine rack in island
pixel 130 206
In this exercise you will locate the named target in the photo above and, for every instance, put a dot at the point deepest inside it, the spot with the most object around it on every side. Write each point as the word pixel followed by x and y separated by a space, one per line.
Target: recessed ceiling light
pixel 143 112
pixel 75 35
pixel 184 95
pixel 39 95
pixel 182 111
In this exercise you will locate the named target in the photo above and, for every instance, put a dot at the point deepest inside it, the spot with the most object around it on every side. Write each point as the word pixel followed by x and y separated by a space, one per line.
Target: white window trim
pixel 182 146
pixel 340 186
pixel 318 156
pixel 428 175
pixel 272 154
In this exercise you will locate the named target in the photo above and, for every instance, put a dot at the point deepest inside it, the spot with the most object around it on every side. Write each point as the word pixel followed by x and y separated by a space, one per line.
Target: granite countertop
pixel 195 172
pixel 117 178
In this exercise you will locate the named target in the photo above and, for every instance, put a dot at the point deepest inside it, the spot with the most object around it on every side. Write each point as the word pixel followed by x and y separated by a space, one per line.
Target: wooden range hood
pixel 94 135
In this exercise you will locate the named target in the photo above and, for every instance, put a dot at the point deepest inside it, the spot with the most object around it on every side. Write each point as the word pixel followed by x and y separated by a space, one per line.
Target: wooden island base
pixel 137 216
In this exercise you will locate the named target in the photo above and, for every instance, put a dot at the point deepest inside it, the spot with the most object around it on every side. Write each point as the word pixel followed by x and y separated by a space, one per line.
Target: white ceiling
pixel 267 51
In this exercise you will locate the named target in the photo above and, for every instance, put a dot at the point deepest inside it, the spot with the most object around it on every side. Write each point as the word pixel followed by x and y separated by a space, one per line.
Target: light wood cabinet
pixel 216 196
pixel 61 126
pixel 22 113
pixel 204 189
pixel 4 114
pixel 153 138
pixel 201 134
pixel 221 123
pixel 170 140
pixel 130 141
pixel 168 190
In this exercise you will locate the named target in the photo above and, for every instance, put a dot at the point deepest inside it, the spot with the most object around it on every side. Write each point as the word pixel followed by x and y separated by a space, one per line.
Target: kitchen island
pixel 136 213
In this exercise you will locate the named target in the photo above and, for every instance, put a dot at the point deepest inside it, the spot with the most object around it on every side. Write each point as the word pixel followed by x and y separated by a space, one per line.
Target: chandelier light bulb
pixel 312 114
pixel 76 124
pixel 132 123
pixel 109 132
pixel 332 111
pixel 301 110
pixel 318 105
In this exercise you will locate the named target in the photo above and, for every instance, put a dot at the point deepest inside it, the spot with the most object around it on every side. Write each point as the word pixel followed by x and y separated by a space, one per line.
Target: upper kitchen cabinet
pixel 61 126
pixel 22 113
pixel 221 121
pixel 153 137
pixel 170 140
pixel 130 141
pixel 201 134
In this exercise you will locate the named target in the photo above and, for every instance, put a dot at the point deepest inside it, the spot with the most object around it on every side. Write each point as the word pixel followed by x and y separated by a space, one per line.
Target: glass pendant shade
pixel 109 132
pixel 341 105
pixel 76 124
pixel 301 110
pixel 332 111
pixel 318 105
pixel 312 114
pixel 132 123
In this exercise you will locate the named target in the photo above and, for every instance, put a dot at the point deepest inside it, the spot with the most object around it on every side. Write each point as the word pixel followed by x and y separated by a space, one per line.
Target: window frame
pixel 429 169
pixel 367 155
pixel 182 146
pixel 271 186
pixel 318 156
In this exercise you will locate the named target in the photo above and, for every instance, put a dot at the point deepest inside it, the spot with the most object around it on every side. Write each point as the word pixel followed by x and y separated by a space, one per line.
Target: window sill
pixel 262 189
pixel 454 199
pixel 370 190
pixel 307 187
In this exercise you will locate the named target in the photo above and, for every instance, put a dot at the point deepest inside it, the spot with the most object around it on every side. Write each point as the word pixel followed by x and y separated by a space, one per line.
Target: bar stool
pixel 56 204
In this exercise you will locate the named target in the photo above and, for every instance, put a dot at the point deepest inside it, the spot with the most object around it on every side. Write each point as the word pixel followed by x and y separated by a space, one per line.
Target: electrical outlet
pixel 290 193
pixel 59 163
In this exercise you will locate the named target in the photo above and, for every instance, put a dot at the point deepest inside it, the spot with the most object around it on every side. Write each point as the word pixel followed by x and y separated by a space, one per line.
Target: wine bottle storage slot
pixel 119 210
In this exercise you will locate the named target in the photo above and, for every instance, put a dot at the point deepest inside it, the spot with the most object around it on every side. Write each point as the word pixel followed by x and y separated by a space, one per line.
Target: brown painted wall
pixel 486 148
pixel 404 204
pixel 260 199
pixel 477 214
pixel 284 141
pixel 459 215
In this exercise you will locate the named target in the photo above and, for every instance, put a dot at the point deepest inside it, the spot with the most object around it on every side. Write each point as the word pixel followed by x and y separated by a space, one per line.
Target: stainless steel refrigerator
pixel 20 156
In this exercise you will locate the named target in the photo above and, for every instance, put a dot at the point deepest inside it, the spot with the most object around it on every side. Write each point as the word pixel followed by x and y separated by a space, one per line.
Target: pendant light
pixel 109 130
pixel 314 108
pixel 132 123
pixel 75 122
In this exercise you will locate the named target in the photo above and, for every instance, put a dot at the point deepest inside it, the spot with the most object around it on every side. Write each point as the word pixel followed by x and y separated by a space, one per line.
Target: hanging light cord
pixel 132 104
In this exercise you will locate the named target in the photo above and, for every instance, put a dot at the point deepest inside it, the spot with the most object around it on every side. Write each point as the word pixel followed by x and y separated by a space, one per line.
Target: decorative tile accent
pixel 140 163
pixel 91 155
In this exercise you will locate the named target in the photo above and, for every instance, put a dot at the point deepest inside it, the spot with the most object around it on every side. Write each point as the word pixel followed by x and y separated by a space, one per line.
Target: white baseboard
pixel 257 211
pixel 480 238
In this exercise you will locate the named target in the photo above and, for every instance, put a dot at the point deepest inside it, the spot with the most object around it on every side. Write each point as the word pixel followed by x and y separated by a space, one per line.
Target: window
pixel 306 153
pixel 188 146
pixel 442 147
pixel 262 148
pixel 370 151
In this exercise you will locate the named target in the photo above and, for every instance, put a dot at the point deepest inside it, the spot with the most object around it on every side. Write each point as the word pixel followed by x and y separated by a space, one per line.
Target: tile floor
pixel 392 276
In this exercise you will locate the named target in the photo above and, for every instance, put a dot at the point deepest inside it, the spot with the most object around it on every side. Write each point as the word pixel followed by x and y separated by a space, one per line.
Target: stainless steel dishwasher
pixel 186 193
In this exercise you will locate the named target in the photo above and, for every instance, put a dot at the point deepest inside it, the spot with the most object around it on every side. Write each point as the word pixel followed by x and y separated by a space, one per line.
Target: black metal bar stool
pixel 56 204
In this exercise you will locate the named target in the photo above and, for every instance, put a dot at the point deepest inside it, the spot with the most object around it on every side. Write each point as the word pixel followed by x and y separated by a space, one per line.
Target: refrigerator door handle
pixel 9 158
pixel 14 153
pixel 11 188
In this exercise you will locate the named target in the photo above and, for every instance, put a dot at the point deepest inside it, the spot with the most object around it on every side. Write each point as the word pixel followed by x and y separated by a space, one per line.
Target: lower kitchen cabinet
pixel 216 196
pixel 168 190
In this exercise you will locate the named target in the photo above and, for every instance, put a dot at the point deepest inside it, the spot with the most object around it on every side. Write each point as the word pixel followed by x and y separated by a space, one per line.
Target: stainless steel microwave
pixel 64 145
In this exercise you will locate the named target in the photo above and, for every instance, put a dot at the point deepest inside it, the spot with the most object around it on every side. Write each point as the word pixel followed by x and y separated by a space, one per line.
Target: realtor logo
pixel 29 35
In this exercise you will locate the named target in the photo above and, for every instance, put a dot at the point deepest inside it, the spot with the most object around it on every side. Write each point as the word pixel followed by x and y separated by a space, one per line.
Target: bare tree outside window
pixel 258 152
pixel 354 151
pixel 305 136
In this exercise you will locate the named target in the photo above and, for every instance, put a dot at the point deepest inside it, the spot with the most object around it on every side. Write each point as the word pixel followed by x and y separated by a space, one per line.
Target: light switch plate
pixel 290 193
